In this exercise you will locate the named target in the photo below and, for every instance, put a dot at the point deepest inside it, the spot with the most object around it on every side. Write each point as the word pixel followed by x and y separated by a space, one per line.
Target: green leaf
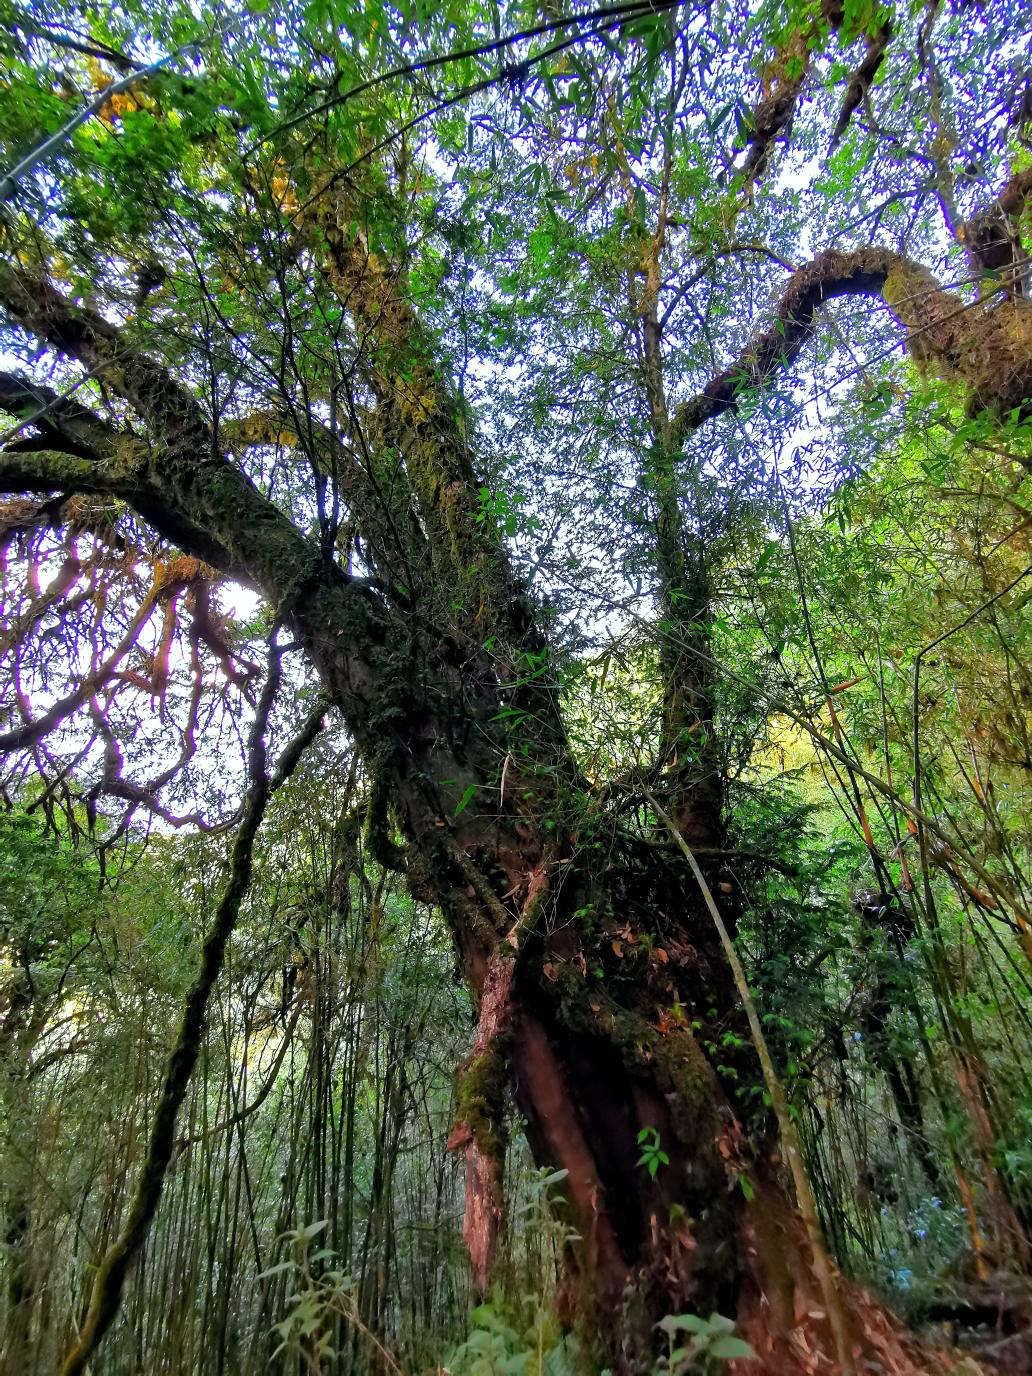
pixel 682 1323
pixel 276 1270
pixel 728 1348
pixel 553 1177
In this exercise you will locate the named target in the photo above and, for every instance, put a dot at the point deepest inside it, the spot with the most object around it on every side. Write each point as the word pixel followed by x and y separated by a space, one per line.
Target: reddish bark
pixel 781 1311
pixel 594 1062
pixel 481 1142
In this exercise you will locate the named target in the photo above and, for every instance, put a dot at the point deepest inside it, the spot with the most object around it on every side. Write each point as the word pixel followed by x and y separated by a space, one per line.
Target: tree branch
pixel 991 236
pixel 84 334
pixel 989 348
pixel 773 115
pixel 52 470
pixel 62 422
pixel 194 496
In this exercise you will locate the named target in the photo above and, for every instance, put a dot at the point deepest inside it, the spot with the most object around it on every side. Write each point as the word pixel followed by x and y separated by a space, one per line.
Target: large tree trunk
pixel 625 1018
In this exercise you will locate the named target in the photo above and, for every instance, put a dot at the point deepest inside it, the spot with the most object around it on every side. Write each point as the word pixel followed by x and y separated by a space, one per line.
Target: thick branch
pixel 195 497
pixel 773 115
pixel 84 334
pixel 419 415
pixel 51 470
pixel 986 346
pixel 62 422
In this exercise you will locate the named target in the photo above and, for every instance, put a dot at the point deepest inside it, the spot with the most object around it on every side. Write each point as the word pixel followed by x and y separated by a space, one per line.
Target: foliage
pixel 700 1345
pixel 652 1154
pixel 494 1348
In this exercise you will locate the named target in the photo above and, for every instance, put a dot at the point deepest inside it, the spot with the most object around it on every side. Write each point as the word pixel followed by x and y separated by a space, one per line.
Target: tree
pixel 273 330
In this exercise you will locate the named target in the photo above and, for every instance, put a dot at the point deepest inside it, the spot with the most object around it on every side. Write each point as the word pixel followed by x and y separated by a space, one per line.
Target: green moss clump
pixel 378 840
pixel 691 1077
pixel 479 1100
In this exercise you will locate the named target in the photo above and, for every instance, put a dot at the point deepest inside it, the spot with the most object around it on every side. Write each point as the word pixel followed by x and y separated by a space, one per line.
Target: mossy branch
pixel 987 345
pixel 52 470
pixel 773 116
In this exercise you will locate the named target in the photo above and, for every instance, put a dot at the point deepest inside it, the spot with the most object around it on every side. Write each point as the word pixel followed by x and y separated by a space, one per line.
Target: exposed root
pixel 783 1318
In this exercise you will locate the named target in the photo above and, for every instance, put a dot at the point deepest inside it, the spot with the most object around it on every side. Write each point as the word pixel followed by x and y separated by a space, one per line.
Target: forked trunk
pixel 619 1016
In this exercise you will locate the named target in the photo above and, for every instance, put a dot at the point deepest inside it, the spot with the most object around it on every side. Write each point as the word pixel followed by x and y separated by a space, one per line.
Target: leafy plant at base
pixel 710 1342
pixel 518 1334
pixel 652 1154
pixel 496 1347
pixel 321 1297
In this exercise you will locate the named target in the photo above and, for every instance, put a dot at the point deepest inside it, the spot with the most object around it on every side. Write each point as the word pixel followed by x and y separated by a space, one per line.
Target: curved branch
pixel 987 347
